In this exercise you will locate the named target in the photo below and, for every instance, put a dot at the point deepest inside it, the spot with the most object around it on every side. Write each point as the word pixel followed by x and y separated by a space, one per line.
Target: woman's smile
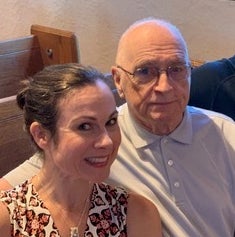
pixel 98 161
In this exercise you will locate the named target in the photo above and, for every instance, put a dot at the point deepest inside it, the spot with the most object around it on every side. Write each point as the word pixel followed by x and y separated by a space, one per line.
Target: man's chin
pixel 158 116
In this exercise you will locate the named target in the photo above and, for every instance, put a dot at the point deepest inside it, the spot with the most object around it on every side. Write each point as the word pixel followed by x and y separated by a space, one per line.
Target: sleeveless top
pixel 30 217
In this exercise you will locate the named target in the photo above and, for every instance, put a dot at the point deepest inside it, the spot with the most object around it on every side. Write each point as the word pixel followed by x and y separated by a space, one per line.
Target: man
pixel 213 86
pixel 182 158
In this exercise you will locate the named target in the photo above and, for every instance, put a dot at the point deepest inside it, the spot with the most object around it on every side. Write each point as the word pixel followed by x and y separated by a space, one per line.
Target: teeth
pixel 97 160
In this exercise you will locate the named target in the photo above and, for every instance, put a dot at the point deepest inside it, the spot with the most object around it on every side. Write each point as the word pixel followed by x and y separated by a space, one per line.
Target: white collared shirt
pixel 189 174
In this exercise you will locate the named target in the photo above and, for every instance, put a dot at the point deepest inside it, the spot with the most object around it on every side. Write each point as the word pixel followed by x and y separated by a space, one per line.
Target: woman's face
pixel 88 136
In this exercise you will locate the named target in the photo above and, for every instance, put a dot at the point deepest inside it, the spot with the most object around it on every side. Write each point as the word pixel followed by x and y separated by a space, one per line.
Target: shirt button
pixel 165 141
pixel 177 184
pixel 170 162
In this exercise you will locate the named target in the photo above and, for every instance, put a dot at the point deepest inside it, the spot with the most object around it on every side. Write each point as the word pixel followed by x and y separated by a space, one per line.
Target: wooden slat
pixel 196 63
pixel 19 58
pixel 8 109
pixel 23 57
pixel 15 145
pixel 61 43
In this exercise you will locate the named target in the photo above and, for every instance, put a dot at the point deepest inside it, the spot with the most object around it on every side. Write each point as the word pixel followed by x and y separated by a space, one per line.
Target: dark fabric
pixel 213 86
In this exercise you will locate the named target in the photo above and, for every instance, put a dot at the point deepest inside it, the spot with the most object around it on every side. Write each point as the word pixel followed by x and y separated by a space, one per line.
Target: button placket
pixel 173 176
pixel 170 162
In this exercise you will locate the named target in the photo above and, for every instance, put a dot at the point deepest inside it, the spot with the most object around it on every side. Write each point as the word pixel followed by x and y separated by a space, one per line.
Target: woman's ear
pixel 117 81
pixel 40 135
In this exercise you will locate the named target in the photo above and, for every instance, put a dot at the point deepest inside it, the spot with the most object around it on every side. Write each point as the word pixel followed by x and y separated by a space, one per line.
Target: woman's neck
pixel 69 193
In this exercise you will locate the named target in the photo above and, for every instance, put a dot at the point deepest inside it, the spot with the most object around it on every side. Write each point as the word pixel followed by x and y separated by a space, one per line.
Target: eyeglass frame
pixel 159 70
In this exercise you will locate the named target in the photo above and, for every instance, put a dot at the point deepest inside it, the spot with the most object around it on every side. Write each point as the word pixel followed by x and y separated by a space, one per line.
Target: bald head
pixel 152 73
pixel 148 31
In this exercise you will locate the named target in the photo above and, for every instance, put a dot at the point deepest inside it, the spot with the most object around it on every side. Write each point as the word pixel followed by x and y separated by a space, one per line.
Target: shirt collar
pixel 140 137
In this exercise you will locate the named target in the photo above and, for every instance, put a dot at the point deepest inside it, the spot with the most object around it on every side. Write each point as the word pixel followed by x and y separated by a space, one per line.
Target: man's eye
pixel 142 71
pixel 84 127
pixel 176 69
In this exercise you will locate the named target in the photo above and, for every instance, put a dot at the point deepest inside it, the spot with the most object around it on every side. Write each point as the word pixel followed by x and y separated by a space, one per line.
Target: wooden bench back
pixel 15 144
pixel 27 55
pixel 20 58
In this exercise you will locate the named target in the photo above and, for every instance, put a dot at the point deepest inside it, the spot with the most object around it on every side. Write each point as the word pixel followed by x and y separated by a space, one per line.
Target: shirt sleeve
pixel 25 171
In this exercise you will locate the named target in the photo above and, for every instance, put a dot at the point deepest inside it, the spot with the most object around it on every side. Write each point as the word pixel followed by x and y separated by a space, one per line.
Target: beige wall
pixel 208 25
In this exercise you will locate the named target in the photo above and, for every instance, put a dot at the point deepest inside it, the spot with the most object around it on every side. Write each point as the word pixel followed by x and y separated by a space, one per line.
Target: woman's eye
pixel 112 122
pixel 84 126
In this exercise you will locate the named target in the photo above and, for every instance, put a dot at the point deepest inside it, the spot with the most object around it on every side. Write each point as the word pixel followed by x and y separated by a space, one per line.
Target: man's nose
pixel 163 83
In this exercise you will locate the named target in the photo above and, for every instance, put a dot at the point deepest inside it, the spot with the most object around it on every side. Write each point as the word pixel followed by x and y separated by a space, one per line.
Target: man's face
pixel 160 103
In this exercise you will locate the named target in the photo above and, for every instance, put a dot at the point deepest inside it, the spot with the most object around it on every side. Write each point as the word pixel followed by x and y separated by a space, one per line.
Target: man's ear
pixel 40 135
pixel 117 81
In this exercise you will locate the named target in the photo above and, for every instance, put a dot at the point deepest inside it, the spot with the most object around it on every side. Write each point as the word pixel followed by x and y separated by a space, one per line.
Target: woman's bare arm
pixel 142 218
pixel 5 226
pixel 4 184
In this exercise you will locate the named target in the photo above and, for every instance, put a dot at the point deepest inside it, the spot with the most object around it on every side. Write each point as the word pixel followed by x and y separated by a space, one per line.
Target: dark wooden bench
pixel 15 145
pixel 20 58
pixel 27 55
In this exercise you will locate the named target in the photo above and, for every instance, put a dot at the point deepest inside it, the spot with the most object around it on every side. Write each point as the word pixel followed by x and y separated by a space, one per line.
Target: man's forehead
pixel 152 37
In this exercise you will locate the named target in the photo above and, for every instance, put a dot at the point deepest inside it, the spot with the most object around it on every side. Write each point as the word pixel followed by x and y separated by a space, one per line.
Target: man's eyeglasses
pixel 147 74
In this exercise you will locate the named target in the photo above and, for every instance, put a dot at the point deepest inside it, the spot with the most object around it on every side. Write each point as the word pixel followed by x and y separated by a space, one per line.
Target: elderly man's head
pixel 152 73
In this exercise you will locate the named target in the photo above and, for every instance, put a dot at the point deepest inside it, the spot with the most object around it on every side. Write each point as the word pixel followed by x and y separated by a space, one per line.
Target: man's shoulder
pixel 200 113
pixel 24 171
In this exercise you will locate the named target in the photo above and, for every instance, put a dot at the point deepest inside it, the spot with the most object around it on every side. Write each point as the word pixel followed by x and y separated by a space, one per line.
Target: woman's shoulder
pixel 14 192
pixel 5 226
pixel 141 204
pixel 7 205
pixel 143 217
pixel 110 197
pixel 111 189
pixel 17 196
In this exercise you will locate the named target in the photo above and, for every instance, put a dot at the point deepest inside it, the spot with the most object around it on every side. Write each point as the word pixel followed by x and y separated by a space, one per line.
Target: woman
pixel 71 116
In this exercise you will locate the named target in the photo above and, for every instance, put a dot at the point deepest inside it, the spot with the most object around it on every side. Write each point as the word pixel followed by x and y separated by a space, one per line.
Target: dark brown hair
pixel 39 97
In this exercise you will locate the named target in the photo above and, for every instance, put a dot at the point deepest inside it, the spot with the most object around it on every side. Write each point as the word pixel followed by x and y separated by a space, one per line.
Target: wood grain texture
pixel 20 58
pixel 15 144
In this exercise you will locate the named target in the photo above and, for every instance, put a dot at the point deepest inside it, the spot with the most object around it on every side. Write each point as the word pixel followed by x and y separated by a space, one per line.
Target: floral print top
pixel 30 217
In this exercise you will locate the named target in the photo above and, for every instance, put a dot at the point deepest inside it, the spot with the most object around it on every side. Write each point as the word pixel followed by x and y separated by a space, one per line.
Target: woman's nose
pixel 103 140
